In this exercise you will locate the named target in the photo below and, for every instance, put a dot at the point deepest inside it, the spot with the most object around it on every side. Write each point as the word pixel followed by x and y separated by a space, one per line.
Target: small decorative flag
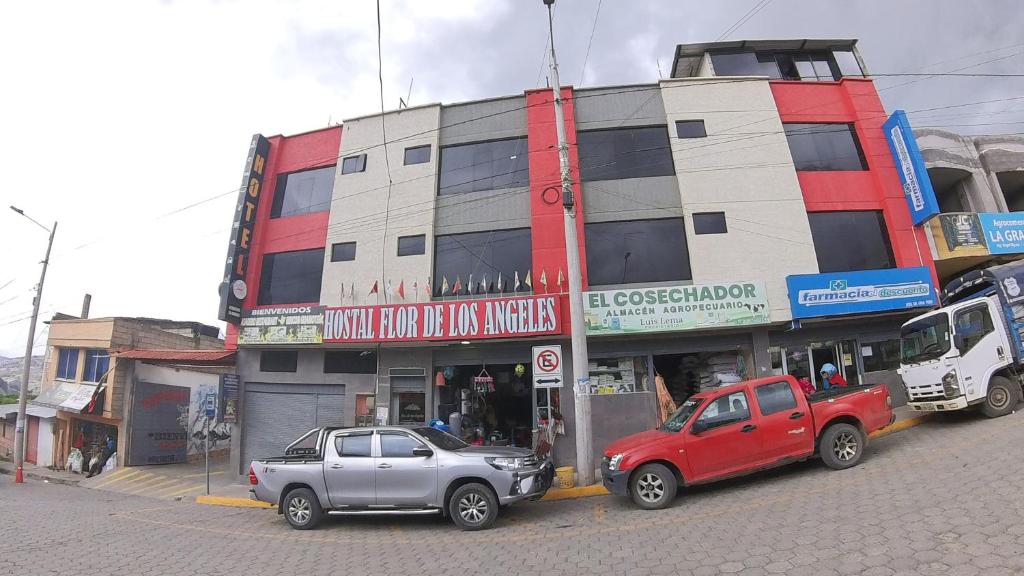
pixel 458 285
pixel 483 285
pixel 389 291
pixel 528 281
pixel 375 289
pixel 515 287
pixel 560 279
pixel 501 286
pixel 352 293
pixel 444 285
pixel 544 279
pixel 401 289
pixel 416 289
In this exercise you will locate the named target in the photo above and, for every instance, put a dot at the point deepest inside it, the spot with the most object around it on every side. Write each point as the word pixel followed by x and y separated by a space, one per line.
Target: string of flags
pixel 454 288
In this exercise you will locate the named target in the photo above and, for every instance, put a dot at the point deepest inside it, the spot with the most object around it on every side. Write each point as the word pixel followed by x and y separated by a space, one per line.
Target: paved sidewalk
pixel 167 481
pixel 32 472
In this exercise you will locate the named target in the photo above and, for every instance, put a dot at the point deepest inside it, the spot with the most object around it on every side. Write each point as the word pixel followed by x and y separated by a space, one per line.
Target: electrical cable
pixel 583 69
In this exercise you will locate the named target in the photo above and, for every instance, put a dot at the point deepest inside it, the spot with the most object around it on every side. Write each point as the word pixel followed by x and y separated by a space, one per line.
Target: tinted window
pixel 343 251
pixel 709 223
pixel 847 63
pixel 845 241
pixel 97 362
pixel 824 147
pixel 879 356
pixel 972 325
pixel 412 245
pixel 745 64
pixel 775 397
pixel 483 255
pixel 484 166
pixel 67 363
pixel 303 192
pixel 279 361
pixel 726 410
pixel 636 251
pixel 417 155
pixel 624 153
pixel 353 164
pixel 350 362
pixel 291 277
pixel 441 439
pixel 690 129
pixel 397 445
pixel 353 445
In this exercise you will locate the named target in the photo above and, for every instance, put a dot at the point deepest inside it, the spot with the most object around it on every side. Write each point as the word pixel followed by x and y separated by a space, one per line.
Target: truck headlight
pixel 506 464
pixel 951 384
pixel 613 463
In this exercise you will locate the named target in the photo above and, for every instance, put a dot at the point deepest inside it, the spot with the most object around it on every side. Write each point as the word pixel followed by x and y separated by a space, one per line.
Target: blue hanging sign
pixel 860 292
pixel 1004 231
pixel 917 186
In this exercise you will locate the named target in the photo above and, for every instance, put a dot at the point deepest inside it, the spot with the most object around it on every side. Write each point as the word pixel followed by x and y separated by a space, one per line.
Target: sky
pixel 128 122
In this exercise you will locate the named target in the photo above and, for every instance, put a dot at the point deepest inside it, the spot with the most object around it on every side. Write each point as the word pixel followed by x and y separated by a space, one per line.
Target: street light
pixel 19 428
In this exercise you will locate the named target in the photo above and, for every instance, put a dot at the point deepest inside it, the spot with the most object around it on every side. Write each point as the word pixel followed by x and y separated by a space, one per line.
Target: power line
pixel 384 137
pixel 743 19
pixel 583 69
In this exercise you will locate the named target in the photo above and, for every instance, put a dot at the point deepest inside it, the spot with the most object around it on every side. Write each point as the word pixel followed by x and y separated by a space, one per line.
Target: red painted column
pixel 546 211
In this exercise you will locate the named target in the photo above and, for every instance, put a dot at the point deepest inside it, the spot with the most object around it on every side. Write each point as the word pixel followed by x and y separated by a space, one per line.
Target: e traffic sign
pixel 547 366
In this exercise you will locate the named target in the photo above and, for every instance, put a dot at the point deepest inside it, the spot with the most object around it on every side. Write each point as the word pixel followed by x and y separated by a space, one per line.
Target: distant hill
pixel 10 375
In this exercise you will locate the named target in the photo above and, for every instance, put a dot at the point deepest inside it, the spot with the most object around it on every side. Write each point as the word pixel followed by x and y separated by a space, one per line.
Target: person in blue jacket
pixel 830 377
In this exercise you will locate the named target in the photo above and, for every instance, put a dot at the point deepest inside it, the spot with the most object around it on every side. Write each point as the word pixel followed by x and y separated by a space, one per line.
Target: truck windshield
pixel 442 440
pixel 924 339
pixel 676 421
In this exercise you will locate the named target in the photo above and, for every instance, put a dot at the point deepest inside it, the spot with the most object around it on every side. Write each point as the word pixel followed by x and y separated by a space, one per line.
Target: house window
pixel 846 241
pixel 847 63
pixel 343 252
pixel 412 245
pixel 637 251
pixel 417 155
pixel 824 147
pixel 480 166
pixel 291 277
pixel 624 153
pixel 353 164
pixel 815 66
pixel 279 361
pixel 690 129
pixel 879 356
pixel 97 362
pixel 484 256
pixel 303 192
pixel 350 362
pixel 709 223
pixel 67 363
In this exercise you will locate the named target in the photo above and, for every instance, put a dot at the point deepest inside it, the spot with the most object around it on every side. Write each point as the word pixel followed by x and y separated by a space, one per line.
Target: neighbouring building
pixel 735 220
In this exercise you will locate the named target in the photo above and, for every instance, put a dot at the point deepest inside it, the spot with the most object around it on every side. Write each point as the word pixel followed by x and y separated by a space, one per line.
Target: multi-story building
pixel 742 218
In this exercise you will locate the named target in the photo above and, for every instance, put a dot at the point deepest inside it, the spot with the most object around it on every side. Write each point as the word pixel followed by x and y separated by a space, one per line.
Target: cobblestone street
pixel 946 497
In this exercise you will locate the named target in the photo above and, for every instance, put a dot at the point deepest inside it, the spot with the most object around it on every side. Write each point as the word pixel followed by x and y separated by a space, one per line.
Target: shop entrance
pixel 488 404
pixel 93 440
pixel 687 374
pixel 806 361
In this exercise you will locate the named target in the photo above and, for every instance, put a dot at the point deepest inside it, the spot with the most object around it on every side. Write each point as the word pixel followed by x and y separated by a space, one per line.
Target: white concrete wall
pixel 200 384
pixel 360 200
pixel 743 168
pixel 44 454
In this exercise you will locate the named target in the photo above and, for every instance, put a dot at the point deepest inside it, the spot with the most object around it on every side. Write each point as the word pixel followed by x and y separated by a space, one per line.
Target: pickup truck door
pixel 728 440
pixel 982 349
pixel 787 428
pixel 348 470
pixel 403 478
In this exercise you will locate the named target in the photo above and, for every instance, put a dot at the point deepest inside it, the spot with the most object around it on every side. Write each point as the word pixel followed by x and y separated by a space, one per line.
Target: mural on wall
pixel 195 423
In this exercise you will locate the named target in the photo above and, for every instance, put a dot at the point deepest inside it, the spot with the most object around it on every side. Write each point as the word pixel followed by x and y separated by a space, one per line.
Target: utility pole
pixel 19 427
pixel 581 397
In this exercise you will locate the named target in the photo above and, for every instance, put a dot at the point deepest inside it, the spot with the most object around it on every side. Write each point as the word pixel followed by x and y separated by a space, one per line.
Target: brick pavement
pixel 946 497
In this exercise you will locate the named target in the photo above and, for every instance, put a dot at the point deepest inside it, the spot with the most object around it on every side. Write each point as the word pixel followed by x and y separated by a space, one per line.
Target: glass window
pixel 636 251
pixel 775 397
pixel 847 63
pixel 879 356
pixel 353 445
pixel 412 245
pixel 343 252
pixel 417 155
pixel 67 363
pixel 279 361
pixel 624 153
pixel 972 324
pixel 745 64
pixel 97 362
pixel 824 147
pixel 483 255
pixel 690 129
pixel 924 339
pixel 398 445
pixel 491 165
pixel 724 410
pixel 350 362
pixel 441 439
pixel 411 407
pixel 845 241
pixel 303 192
pixel 709 223
pixel 353 164
pixel 291 277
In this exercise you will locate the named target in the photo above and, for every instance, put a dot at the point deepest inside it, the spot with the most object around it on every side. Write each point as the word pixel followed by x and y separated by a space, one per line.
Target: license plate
pixel 928 407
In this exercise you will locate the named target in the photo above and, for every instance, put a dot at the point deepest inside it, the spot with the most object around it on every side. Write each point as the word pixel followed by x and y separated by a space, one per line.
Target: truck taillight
pixel 888 401
pixel 252 476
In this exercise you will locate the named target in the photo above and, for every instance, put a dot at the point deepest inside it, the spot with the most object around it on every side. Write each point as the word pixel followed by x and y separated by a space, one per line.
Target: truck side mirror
pixel 422 451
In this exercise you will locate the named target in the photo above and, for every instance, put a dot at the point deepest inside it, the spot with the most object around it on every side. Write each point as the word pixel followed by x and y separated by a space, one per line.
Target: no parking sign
pixel 547 366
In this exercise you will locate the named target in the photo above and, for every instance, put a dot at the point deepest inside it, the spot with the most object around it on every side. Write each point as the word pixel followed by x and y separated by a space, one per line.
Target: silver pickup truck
pixel 394 470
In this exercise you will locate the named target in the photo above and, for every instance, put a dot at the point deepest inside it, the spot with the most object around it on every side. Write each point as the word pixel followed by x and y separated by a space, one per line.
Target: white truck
pixel 969 352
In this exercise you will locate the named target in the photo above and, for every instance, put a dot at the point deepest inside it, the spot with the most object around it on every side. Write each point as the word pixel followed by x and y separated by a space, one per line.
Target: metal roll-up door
pixel 275 415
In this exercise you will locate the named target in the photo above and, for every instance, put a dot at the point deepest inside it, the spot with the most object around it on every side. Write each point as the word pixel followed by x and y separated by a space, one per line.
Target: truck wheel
pixel 473 507
pixel 842 446
pixel 1002 397
pixel 653 487
pixel 302 509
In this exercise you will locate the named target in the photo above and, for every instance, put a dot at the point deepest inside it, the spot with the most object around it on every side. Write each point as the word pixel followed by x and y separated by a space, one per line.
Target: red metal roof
pixel 219 357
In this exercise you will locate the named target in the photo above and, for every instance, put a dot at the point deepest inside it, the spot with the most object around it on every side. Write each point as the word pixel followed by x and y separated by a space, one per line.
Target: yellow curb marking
pixel 229 501
pixel 192 488
pixel 117 479
pixel 147 484
pixel 201 474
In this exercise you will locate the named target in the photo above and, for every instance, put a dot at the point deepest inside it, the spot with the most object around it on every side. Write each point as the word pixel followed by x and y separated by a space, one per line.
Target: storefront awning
pixel 9 412
pixel 53 397
pixel 80 400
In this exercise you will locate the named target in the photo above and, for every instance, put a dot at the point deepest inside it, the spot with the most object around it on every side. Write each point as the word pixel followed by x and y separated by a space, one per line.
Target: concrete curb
pixel 40 477
pixel 899 425
pixel 230 501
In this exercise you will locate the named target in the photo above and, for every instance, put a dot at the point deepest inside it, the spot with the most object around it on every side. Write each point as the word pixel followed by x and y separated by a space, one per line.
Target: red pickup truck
pixel 743 428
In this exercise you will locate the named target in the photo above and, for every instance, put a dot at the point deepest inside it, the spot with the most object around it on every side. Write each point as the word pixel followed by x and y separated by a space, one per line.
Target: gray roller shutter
pixel 275 415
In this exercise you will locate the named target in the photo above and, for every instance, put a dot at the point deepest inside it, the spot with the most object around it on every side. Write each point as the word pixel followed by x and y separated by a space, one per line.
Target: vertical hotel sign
pixel 233 290
pixel 917 187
